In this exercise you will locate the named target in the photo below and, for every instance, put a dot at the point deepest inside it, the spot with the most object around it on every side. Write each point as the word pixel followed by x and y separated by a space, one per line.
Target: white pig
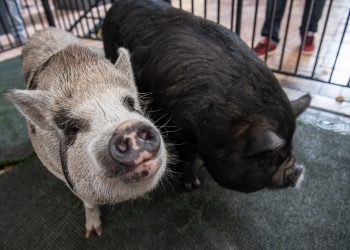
pixel 86 124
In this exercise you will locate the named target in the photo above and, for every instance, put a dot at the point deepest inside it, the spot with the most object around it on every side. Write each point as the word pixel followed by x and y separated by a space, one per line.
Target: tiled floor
pixel 333 33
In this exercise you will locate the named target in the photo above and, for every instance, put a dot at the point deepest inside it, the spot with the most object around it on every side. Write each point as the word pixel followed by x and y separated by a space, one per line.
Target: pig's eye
pixel 278 158
pixel 129 103
pixel 72 129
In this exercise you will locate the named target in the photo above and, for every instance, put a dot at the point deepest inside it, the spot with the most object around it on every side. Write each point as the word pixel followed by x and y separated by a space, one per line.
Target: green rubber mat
pixel 14 141
pixel 38 212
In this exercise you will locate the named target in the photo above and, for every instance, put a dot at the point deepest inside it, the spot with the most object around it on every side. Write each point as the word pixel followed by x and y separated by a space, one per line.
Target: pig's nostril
pixel 145 135
pixel 123 145
pixel 148 139
pixel 128 142
pixel 120 148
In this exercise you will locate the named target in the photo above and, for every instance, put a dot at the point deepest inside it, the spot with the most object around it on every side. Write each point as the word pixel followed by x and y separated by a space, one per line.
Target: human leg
pixel 276 22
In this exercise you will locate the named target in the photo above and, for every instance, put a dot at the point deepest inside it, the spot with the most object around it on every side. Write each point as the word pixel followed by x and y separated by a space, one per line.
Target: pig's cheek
pixel 97 155
pixel 277 178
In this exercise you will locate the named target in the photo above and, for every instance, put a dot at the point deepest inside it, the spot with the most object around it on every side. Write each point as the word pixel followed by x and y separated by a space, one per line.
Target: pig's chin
pixel 141 173
pixel 144 172
pixel 131 185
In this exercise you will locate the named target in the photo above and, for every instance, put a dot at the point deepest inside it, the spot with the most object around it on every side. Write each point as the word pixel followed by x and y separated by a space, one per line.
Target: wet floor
pixel 328 121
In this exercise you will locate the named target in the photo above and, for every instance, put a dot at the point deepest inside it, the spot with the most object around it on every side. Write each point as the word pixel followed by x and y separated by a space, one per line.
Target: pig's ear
pixel 299 105
pixel 123 63
pixel 263 141
pixel 33 104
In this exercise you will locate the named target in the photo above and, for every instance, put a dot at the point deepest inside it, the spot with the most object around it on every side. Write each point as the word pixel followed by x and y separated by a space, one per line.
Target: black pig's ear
pixel 123 63
pixel 299 105
pixel 263 141
pixel 33 104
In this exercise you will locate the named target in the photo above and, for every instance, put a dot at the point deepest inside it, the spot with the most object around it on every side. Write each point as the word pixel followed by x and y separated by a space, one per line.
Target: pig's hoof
pixel 197 182
pixel 91 228
pixel 190 185
pixel 93 222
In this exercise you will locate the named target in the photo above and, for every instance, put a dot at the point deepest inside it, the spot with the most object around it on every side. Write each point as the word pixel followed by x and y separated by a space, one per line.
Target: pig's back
pixel 188 63
pixel 42 45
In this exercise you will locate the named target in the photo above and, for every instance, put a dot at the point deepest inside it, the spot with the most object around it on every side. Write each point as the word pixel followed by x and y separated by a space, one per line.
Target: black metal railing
pixel 20 19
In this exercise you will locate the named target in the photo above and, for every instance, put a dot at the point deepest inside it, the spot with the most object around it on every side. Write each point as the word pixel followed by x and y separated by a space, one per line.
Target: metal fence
pixel 328 63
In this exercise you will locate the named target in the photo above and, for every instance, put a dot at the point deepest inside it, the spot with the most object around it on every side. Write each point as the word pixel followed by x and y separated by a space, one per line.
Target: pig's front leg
pixel 93 220
pixel 187 154
pixel 190 178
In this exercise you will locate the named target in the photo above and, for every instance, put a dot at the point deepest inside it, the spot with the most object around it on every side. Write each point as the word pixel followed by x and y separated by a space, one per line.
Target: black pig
pixel 203 79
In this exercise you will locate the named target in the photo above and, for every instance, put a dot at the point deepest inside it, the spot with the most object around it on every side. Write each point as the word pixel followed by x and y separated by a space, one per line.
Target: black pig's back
pixel 199 73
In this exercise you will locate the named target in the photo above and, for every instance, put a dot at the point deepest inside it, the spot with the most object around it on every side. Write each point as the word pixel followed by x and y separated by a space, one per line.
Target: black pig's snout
pixel 133 143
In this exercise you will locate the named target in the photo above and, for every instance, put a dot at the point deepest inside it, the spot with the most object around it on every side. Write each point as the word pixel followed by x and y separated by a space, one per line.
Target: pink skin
pixel 132 137
pixel 146 170
pixel 147 163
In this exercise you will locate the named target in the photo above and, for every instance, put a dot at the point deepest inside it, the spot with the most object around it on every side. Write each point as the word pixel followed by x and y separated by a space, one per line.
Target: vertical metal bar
pixel 286 34
pixel 56 14
pixel 78 12
pixel 63 20
pixel 64 15
pixel 20 15
pixel 104 5
pixel 274 3
pixel 180 4
pixel 239 16
pixel 68 16
pixel 232 13
pixel 85 17
pixel 58 18
pixel 192 6
pixel 39 13
pixel 205 9
pixel 13 22
pixel 98 10
pixel 321 41
pixel 305 34
pixel 255 17
pixel 72 11
pixel 341 42
pixel 349 82
pixel 86 20
pixel 11 18
pixel 48 13
pixel 218 14
pixel 100 19
pixel 3 24
pixel 92 5
pixel 30 15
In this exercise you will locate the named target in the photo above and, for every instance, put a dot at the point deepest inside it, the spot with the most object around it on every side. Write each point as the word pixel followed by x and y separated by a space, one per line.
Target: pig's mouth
pixel 143 171
pixel 289 174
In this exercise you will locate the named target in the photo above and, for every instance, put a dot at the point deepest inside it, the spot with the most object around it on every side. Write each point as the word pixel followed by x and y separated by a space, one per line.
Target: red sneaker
pixel 309 45
pixel 260 49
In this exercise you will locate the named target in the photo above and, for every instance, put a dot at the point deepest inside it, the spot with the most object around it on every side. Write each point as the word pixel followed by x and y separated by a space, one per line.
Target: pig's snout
pixel 133 143
pixel 288 174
